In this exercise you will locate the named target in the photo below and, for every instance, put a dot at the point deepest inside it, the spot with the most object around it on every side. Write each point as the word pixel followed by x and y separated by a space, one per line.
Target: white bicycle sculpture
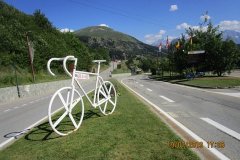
pixel 69 98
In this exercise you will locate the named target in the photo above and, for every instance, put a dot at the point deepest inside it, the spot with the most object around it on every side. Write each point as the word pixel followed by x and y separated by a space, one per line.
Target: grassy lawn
pixel 203 82
pixel 131 132
pixel 123 69
pixel 214 82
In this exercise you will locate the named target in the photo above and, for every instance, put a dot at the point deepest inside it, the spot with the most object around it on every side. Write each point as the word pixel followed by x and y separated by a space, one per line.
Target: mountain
pixel 116 42
pixel 18 29
pixel 233 35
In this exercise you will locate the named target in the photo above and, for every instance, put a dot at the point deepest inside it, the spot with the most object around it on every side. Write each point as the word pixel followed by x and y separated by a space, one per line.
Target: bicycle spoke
pixel 68 96
pixel 109 91
pixel 60 119
pixel 63 101
pixel 112 102
pixel 73 121
pixel 103 93
pixel 105 106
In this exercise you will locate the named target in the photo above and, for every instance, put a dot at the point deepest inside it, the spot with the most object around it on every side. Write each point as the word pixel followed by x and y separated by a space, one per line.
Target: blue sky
pixel 147 20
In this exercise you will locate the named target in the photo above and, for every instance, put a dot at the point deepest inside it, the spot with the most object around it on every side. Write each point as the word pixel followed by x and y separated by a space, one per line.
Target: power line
pixel 136 18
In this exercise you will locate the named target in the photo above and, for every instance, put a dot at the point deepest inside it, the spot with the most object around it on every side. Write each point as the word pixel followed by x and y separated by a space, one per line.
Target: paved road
pixel 17 117
pixel 212 116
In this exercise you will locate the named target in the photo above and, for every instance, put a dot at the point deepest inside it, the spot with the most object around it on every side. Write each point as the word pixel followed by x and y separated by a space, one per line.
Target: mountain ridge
pixel 117 42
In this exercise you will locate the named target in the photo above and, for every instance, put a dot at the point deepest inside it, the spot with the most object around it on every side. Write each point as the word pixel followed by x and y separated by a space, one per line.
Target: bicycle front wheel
pixel 107 98
pixel 64 116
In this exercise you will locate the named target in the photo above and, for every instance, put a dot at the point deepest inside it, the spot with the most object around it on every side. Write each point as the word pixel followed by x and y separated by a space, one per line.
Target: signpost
pixel 31 55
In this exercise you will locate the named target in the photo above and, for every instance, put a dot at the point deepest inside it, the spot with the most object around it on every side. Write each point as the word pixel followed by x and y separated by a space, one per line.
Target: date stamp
pixel 196 144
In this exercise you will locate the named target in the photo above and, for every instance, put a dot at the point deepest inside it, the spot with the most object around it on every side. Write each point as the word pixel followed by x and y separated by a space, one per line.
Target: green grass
pixel 131 132
pixel 123 69
pixel 213 82
pixel 8 78
pixel 203 82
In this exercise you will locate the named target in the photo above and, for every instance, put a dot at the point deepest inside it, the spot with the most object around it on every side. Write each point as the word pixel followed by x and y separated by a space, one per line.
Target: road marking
pixel 24 104
pixel 222 128
pixel 16 107
pixel 230 94
pixel 31 102
pixel 7 110
pixel 149 90
pixel 141 85
pixel 191 133
pixel 173 114
pixel 167 99
pixel 136 82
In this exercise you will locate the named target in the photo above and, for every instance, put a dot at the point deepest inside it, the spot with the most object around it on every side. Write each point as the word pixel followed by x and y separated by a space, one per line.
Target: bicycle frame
pixel 99 79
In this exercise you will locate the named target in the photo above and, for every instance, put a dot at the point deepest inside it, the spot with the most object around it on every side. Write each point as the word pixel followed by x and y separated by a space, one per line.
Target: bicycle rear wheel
pixel 107 98
pixel 64 117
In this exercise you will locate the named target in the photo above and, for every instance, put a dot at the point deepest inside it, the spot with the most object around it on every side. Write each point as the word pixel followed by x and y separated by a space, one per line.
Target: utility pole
pixel 30 56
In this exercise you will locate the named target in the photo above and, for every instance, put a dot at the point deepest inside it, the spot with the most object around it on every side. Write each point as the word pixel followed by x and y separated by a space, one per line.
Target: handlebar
pixel 64 64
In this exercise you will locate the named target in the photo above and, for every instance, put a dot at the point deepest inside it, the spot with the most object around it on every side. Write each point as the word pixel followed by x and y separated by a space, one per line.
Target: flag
pixel 190 40
pixel 178 45
pixel 160 47
pixel 167 43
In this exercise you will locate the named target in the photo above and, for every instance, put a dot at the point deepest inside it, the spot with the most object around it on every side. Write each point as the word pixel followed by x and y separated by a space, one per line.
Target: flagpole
pixel 30 56
pixel 159 51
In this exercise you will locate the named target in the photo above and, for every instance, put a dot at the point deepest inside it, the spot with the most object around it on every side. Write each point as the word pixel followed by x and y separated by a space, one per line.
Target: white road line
pixel 230 94
pixel 136 82
pixel 16 107
pixel 141 85
pixel 191 133
pixel 7 110
pixel 222 128
pixel 24 104
pixel 167 99
pixel 149 90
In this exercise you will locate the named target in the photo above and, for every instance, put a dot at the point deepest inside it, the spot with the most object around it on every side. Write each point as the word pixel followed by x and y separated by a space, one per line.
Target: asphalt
pixel 196 109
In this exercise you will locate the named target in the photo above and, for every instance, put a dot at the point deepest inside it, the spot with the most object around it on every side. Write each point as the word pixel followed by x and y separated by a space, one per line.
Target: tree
pixel 220 56
pixel 145 64
pixel 41 20
pixel 179 58
pixel 230 54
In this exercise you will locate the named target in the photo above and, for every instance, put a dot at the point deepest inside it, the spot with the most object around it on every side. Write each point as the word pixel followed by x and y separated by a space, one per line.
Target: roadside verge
pixel 131 132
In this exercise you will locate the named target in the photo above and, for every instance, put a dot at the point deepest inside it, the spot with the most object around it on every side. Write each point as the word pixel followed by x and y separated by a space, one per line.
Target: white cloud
pixel 103 25
pixel 64 30
pixel 173 8
pixel 230 25
pixel 186 26
pixel 151 38
pixel 183 26
pixel 203 17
